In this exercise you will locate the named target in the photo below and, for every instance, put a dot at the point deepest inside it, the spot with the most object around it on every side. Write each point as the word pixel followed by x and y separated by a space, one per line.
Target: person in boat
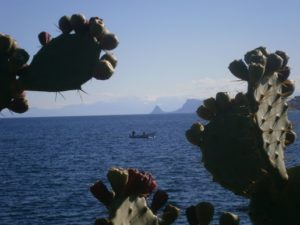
pixel 133 133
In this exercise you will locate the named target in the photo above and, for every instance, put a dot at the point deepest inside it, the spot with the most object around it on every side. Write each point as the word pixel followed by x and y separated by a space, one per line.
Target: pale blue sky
pixel 168 48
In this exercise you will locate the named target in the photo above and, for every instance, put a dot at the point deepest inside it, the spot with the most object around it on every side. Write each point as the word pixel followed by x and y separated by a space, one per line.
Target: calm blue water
pixel 48 164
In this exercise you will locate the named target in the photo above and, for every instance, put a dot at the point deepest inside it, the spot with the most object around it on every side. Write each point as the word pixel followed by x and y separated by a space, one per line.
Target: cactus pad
pixel 12 60
pixel 271 205
pixel 246 136
pixel 127 202
pixel 63 63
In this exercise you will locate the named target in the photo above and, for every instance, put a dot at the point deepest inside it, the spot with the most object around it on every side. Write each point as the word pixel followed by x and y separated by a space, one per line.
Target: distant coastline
pixel 294 103
pixel 190 106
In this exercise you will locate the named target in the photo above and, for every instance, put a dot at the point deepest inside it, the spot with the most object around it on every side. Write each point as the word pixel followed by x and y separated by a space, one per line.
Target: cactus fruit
pixel 12 60
pixel 201 214
pixel 245 137
pixel 103 70
pixel 65 25
pixel 44 38
pixel 127 204
pixel 63 63
pixel 160 198
pixel 7 44
pixel 228 218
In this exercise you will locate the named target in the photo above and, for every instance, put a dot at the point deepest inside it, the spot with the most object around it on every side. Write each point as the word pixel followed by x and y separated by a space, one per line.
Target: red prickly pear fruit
pixel 139 183
pixel 210 104
pixel 228 218
pixel 274 63
pixel 118 179
pixel 100 191
pixel 160 198
pixel 18 58
pixel 205 113
pixel 204 212
pixel 239 69
pixel 103 70
pixel 44 38
pixel 222 101
pixel 190 213
pixel 290 137
pixel 78 22
pixel 18 105
pixel 170 214
pixel 193 135
pixel 96 27
pixel 64 24
pixel 263 50
pixel 96 19
pixel 256 71
pixel 284 56
pixel 241 99
pixel 7 44
pixel 109 41
pixel 110 58
pixel 287 88
pixel 255 56
pixel 284 74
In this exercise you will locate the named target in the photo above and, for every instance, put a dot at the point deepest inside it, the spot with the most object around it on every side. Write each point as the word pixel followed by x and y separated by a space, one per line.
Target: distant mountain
pixel 294 103
pixel 190 106
pixel 157 110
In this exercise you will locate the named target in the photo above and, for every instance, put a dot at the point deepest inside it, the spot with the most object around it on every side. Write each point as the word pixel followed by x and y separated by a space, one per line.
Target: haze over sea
pixel 48 164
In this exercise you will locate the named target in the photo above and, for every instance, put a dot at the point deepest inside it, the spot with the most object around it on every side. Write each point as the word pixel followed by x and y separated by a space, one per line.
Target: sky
pixel 169 51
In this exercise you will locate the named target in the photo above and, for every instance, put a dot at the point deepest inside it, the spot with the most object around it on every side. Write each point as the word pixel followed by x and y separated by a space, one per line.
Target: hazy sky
pixel 168 48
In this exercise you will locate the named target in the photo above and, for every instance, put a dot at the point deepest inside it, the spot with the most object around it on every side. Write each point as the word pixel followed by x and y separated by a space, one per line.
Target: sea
pixel 48 164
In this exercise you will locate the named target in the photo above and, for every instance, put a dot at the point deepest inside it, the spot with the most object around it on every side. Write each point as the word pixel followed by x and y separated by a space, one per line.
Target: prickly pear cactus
pixel 12 60
pixel 271 205
pixel 63 63
pixel 127 202
pixel 203 212
pixel 246 136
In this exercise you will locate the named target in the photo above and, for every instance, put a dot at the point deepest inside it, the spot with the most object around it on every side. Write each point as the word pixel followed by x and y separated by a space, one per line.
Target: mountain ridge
pixel 189 106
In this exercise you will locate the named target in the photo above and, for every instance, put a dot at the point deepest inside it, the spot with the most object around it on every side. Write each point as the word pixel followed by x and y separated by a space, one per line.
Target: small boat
pixel 143 135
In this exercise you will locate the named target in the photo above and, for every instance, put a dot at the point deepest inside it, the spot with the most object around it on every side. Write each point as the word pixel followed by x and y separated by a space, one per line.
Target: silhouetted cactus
pixel 203 212
pixel 12 60
pixel 245 137
pixel 271 205
pixel 127 202
pixel 63 63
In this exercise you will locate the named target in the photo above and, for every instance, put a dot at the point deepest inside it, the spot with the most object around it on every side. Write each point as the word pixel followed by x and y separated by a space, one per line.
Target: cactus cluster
pixel 203 212
pixel 13 59
pixel 246 136
pixel 63 63
pixel 244 141
pixel 271 205
pixel 127 204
